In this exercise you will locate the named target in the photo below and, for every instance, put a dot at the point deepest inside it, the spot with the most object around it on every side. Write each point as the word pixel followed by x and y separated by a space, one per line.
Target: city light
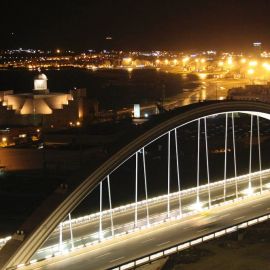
pixel 253 63
pixel 137 111
pixel 202 76
pixel 185 59
pixel 230 61
pixel 237 65
pixel 266 66
pixel 243 60
pixel 250 71
pixel 220 63
pixel 203 60
pixel 127 61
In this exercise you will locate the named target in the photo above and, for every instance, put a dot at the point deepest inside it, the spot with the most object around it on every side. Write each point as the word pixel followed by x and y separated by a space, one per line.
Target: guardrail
pixel 89 218
pixel 124 229
pixel 130 227
pixel 122 208
pixel 168 251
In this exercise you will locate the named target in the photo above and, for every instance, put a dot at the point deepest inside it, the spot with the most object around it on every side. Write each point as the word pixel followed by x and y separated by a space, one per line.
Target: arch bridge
pixel 199 171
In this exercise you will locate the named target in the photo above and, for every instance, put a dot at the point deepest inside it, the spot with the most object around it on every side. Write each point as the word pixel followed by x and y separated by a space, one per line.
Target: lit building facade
pixel 251 92
pixel 44 108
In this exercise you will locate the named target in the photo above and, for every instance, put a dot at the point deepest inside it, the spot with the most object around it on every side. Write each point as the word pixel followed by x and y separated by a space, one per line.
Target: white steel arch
pixel 23 252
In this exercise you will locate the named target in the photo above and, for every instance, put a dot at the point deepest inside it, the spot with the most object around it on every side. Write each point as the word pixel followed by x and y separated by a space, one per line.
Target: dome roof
pixel 41 76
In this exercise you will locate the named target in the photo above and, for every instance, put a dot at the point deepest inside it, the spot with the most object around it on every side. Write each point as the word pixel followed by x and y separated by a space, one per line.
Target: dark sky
pixel 134 24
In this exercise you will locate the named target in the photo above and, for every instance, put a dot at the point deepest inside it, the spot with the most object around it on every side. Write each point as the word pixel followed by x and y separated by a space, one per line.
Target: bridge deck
pixel 126 248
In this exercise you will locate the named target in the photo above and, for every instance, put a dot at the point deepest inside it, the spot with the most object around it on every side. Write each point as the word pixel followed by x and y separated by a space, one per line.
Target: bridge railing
pixel 198 240
pixel 92 217
pixel 157 220
pixel 123 208
pixel 153 220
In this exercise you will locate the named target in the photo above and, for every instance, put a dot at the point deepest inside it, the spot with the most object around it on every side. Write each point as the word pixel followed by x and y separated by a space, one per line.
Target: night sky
pixel 134 24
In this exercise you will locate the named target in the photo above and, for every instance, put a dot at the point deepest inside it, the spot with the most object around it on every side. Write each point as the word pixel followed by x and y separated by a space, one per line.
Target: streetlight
pixel 251 71
pixel 243 60
pixel 220 63
pixel 253 63
pixel 230 61
pixel 266 66
pixel 4 141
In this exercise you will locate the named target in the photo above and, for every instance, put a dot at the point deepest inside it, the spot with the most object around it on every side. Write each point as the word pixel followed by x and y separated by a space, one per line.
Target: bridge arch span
pixel 32 241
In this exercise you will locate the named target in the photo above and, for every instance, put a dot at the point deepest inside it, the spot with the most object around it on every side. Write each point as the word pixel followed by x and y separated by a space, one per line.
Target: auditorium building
pixel 43 108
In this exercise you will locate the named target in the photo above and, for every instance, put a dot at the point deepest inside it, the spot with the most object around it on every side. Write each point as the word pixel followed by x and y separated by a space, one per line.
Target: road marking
pixel 203 230
pixel 164 243
pixel 147 240
pixel 239 218
pixel 253 206
pixel 117 259
pixel 224 215
pixel 103 255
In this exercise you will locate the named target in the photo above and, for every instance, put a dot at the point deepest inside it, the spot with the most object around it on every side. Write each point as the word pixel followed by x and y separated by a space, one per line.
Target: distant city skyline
pixel 141 25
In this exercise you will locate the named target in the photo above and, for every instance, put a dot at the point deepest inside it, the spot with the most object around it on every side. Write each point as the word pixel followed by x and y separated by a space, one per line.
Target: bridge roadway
pixel 123 249
pixel 124 221
pixel 83 233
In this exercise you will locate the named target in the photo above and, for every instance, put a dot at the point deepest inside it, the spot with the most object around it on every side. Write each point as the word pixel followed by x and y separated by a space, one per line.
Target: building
pixel 250 92
pixel 257 49
pixel 44 108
